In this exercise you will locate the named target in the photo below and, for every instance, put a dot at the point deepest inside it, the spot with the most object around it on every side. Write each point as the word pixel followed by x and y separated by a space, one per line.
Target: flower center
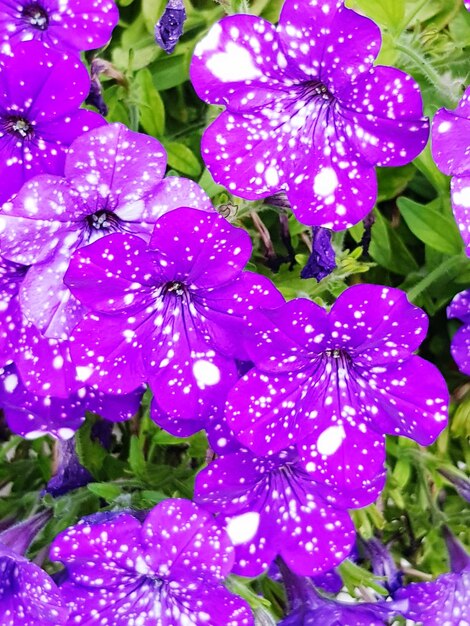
pixel 174 287
pixel 104 221
pixel 36 16
pixel 18 126
pixel 316 89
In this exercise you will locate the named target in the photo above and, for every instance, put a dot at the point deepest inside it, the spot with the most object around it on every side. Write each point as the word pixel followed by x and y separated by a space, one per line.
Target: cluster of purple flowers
pixel 114 278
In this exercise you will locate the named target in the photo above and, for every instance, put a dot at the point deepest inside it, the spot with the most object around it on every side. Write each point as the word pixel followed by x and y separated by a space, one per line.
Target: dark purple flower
pixel 167 570
pixel 309 608
pixel 444 601
pixel 40 92
pixel 71 26
pixel 383 564
pixel 28 596
pixel 18 537
pixel 460 308
pixel 322 259
pixel 461 483
pixel 272 506
pixel 450 132
pixel 335 383
pixel 306 111
pixel 171 313
pixel 70 473
pixel 113 182
pixel 169 27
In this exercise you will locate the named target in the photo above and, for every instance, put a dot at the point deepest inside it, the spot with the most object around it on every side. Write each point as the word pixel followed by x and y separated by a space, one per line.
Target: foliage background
pixel 415 246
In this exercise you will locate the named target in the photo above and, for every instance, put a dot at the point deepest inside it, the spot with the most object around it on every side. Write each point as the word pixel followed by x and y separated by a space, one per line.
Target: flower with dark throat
pixel 336 383
pixel 113 182
pixel 40 94
pixel 170 313
pixel 272 506
pixel 167 571
pixel 306 110
pixel 69 26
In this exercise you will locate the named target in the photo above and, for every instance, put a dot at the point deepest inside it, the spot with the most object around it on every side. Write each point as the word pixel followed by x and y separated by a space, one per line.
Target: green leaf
pixel 152 11
pixel 151 107
pixel 388 13
pixel 431 226
pixel 90 453
pixel 107 491
pixel 113 96
pixel 182 159
pixel 393 180
pixel 170 71
pixel 137 460
pixel 388 249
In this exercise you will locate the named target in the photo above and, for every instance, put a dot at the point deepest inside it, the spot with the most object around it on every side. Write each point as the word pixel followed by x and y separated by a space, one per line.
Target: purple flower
pixel 169 27
pixel 273 507
pixel 71 26
pixel 335 383
pixel 167 570
pixel 113 182
pixel 460 308
pixel 309 608
pixel 28 596
pixel 40 92
pixel 31 415
pixel 306 111
pixel 445 600
pixel 450 131
pixel 322 259
pixel 70 474
pixel 171 313
pixel 383 564
pixel 11 276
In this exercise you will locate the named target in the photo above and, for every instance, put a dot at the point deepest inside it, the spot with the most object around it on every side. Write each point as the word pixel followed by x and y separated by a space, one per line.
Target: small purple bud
pixel 458 557
pixel 169 27
pixel 322 258
pixel 19 537
pixel 70 473
pixel 462 485
pixel 383 564
pixel 368 222
pixel 95 97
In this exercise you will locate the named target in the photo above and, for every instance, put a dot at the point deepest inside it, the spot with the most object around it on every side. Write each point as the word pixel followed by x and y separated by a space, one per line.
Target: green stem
pixel 439 272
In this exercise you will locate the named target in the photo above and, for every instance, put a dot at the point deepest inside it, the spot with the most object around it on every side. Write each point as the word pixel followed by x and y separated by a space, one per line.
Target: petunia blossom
pixel 443 601
pixel 113 182
pixel 309 608
pixel 67 25
pixel 167 571
pixel 335 383
pixel 459 308
pixel 40 94
pixel 450 149
pixel 28 595
pixel 170 313
pixel 272 507
pixel 306 110
pixel 32 415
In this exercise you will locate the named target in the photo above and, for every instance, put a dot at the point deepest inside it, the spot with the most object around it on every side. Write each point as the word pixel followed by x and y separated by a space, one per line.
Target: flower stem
pixel 450 100
pixel 447 267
